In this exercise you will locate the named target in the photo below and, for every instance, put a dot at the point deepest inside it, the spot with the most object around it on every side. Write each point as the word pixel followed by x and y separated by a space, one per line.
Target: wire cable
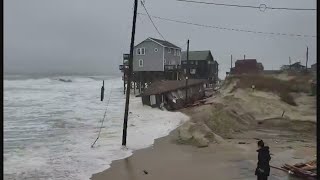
pixel 231 29
pixel 104 116
pixel 184 45
pixel 262 7
pixel 152 20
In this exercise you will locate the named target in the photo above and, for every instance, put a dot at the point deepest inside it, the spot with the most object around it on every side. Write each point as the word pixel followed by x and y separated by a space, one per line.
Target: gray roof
pixel 297 64
pixel 165 43
pixel 196 55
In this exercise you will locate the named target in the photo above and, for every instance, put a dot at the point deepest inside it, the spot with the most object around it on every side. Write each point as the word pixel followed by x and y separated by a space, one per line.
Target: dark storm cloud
pixel 90 36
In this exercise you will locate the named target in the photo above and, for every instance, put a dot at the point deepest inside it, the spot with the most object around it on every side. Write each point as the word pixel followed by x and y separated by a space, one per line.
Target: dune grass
pixel 271 84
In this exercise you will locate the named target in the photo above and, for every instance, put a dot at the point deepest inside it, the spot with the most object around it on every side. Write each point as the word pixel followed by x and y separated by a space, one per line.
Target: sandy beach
pixel 229 160
pixel 221 140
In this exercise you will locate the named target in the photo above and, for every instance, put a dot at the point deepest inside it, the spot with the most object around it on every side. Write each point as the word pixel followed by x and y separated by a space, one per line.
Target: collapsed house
pixel 171 94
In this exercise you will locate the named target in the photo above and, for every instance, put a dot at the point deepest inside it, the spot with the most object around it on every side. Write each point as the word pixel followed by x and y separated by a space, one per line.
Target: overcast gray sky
pixel 90 36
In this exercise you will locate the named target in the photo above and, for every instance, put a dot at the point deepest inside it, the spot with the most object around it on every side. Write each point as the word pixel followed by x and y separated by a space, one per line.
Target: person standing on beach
pixel 263 168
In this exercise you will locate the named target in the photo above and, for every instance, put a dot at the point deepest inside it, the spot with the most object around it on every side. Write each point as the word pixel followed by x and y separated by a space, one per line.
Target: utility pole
pixel 289 62
pixel 140 84
pixel 187 73
pixel 126 111
pixel 307 59
pixel 124 83
pixel 231 62
pixel 244 56
pixel 134 86
pixel 124 73
pixel 102 91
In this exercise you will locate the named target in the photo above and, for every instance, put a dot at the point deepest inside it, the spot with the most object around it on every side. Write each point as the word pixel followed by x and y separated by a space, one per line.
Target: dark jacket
pixel 263 167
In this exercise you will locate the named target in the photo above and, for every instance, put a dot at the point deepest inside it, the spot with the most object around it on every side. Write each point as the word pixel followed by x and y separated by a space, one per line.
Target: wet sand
pixel 234 158
pixel 224 161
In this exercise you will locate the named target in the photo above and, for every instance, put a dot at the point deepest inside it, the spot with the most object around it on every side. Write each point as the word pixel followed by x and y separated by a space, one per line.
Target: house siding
pixel 247 66
pixel 314 67
pixel 152 61
pixel 170 58
pixel 195 93
pixel 204 70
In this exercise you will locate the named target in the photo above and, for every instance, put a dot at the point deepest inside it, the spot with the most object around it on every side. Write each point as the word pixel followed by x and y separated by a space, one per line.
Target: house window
pixel 169 50
pixel 141 51
pixel 175 52
pixel 178 52
pixel 140 62
pixel 196 62
pixel 155 49
pixel 191 62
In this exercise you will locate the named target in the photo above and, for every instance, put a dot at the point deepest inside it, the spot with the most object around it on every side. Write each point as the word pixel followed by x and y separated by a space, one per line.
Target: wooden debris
pixel 202 101
pixel 197 103
pixel 206 103
pixel 303 170
pixel 242 143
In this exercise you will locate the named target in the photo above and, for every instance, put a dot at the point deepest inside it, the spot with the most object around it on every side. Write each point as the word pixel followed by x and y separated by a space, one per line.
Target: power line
pixel 152 21
pixel 261 7
pixel 184 45
pixel 230 29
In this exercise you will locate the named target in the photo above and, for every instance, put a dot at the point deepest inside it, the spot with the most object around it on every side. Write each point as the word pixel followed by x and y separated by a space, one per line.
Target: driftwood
pixel 208 103
pixel 303 170
pixel 279 168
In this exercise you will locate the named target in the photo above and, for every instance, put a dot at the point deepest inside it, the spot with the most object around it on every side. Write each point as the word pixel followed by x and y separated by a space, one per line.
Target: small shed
pixel 172 93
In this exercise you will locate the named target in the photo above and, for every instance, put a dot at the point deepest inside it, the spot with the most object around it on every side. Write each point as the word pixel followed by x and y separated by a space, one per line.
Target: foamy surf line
pixel 145 125
pixel 60 121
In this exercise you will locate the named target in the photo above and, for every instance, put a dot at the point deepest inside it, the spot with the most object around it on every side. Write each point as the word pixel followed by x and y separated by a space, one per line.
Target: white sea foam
pixel 49 126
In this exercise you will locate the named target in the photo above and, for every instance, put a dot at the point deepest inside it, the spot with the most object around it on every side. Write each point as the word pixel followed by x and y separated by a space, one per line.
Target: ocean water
pixel 49 126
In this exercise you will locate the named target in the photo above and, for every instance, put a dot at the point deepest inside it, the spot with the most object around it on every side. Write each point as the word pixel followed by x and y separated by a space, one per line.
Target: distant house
pixel 314 70
pixel 260 67
pixel 172 93
pixel 297 67
pixel 294 68
pixel 271 72
pixel 314 67
pixel 124 67
pixel 285 67
pixel 201 64
pixel 247 66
